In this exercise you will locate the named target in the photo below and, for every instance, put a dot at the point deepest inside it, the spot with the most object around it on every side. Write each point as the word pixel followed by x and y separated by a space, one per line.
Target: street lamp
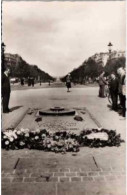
pixel 2 56
pixel 110 47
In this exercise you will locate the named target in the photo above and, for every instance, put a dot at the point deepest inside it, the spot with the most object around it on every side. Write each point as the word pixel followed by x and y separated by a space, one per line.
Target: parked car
pixel 14 80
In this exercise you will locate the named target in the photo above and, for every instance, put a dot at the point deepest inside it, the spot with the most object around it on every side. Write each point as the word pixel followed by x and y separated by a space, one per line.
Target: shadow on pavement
pixel 15 108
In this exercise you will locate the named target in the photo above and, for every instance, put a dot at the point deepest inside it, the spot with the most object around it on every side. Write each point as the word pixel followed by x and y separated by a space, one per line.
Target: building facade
pixel 103 57
pixel 11 59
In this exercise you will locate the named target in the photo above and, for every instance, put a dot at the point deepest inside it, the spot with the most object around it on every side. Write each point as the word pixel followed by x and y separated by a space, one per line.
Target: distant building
pixel 103 57
pixel 12 59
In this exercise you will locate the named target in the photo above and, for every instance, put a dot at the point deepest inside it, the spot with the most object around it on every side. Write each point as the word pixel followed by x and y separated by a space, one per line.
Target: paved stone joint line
pixel 61 175
pixel 93 118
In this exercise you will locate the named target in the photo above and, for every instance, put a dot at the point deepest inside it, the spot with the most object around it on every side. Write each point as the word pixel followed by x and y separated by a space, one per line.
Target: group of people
pixel 116 84
pixel 31 81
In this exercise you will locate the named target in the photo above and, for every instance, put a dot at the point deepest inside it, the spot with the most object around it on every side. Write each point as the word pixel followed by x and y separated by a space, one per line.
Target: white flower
pixel 49 146
pixel 56 137
pixel 99 128
pixel 7 143
pixel 18 132
pixel 36 137
pixel 7 134
pixel 22 143
pixel 43 135
pixel 15 130
pixel 15 136
pixel 22 130
pixel 27 135
pixel 11 139
pixel 48 141
pixel 4 136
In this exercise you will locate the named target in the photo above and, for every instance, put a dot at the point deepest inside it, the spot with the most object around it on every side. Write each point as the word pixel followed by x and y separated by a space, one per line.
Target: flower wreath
pixel 61 141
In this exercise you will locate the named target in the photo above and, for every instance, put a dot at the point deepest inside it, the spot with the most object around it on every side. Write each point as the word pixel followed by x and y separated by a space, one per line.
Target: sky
pixel 60 36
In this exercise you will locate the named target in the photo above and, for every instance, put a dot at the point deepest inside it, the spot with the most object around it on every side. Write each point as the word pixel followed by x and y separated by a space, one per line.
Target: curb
pixel 12 121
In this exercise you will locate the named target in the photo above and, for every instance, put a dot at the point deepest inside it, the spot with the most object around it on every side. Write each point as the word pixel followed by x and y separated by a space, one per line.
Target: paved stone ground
pixel 92 171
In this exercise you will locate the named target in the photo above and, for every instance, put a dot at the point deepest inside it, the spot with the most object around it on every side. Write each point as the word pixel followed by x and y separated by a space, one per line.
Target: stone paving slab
pixel 116 162
pixel 8 164
pixel 64 187
pixel 51 163
pixel 91 188
pixel 31 189
pixel 13 118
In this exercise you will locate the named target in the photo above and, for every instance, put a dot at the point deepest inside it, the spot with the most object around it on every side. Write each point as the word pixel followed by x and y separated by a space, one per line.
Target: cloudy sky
pixel 59 36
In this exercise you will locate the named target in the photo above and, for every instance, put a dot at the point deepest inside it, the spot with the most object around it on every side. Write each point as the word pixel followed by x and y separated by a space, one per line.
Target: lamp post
pixel 110 49
pixel 2 56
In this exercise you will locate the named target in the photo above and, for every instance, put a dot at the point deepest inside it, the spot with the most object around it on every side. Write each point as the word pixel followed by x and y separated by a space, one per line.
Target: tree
pixel 113 64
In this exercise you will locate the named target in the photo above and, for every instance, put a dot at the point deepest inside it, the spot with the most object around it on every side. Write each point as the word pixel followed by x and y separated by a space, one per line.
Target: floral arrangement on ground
pixel 60 141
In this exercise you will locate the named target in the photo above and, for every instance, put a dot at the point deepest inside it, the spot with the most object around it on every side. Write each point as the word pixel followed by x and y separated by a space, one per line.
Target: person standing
pixel 68 82
pixel 6 90
pixel 22 81
pixel 29 81
pixel 102 83
pixel 122 95
pixel 32 82
pixel 113 87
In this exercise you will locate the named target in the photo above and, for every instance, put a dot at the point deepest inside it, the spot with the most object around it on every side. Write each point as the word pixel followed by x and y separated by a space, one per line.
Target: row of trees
pixel 91 69
pixel 24 70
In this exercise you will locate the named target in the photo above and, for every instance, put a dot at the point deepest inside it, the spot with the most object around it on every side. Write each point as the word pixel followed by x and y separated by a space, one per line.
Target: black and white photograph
pixel 63 97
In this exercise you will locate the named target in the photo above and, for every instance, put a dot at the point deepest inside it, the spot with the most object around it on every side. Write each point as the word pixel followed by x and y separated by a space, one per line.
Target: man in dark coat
pixel 121 72
pixel 6 89
pixel 113 87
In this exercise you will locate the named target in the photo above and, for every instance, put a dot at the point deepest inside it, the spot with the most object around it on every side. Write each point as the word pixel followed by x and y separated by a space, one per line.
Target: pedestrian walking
pixel 68 82
pixel 6 89
pixel 113 87
pixel 102 83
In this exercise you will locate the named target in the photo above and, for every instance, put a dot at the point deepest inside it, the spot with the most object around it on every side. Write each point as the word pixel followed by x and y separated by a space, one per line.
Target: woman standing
pixel 68 82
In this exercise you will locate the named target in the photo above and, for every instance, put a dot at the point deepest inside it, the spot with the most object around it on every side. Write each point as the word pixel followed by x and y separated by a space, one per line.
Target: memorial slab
pixel 57 162
pixel 60 123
